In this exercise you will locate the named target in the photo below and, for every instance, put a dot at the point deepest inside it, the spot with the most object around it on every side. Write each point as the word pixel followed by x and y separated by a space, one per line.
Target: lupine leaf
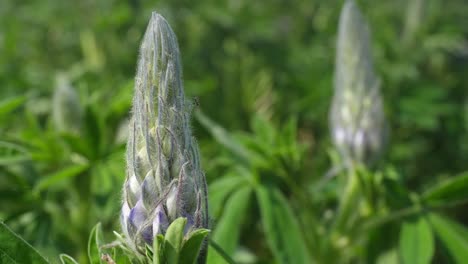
pixel 173 239
pixel 64 174
pixel 65 259
pixel 156 250
pixel 452 190
pixel 226 233
pixel 94 242
pixel 159 242
pixel 14 250
pixel 220 189
pixel 8 105
pixel 282 231
pixel 416 241
pixel 12 153
pixel 120 257
pixel 224 138
pixel 388 257
pixel 77 144
pixel 453 236
pixel 93 132
pixel 192 246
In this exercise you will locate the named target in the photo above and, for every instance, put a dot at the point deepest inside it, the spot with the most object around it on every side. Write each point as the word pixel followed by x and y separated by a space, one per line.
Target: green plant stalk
pixel 409 211
pixel 84 185
pixel 221 252
pixel 348 202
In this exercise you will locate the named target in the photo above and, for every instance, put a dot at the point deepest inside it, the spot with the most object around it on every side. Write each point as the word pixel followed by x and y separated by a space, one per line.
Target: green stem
pixel 412 210
pixel 299 193
pixel 348 202
pixel 221 252
pixel 84 190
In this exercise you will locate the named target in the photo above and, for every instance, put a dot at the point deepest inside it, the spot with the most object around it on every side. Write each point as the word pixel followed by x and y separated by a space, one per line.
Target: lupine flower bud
pixel 414 19
pixel 67 112
pixel 164 179
pixel 356 119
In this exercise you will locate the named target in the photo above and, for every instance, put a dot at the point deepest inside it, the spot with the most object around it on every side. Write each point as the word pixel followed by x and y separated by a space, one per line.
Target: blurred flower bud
pixel 356 118
pixel 67 112
pixel 164 179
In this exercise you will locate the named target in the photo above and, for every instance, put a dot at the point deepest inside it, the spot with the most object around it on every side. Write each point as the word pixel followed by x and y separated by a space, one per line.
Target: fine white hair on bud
pixel 356 118
pixel 164 178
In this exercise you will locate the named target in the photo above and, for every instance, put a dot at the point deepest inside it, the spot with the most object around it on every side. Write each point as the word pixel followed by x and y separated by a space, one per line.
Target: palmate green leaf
pixel 77 144
pixel 173 240
pixel 389 257
pixel 93 132
pixel 416 241
pixel 222 254
pixel 10 104
pixel 158 241
pixel 192 245
pixel 454 189
pixel 66 259
pixel 220 189
pixel 264 130
pixel 227 231
pixel 282 231
pixel 224 138
pixel 120 252
pixel 453 236
pixel 95 241
pixel 14 250
pixel 289 145
pixel 11 153
pixel 62 175
pixel 121 257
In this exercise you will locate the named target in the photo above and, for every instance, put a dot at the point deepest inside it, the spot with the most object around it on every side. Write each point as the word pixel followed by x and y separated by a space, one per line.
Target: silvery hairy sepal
pixel 164 180
pixel 356 119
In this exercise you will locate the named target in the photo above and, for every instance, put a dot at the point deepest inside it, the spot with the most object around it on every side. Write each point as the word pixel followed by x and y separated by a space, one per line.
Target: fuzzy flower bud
pixel 164 179
pixel 67 112
pixel 356 119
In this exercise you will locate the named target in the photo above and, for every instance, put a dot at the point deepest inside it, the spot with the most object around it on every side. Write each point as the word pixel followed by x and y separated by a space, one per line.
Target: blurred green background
pixel 260 70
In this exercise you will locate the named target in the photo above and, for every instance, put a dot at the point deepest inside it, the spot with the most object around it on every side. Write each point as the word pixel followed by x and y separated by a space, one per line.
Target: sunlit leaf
pixel 9 105
pixel 227 230
pixel 416 241
pixel 65 259
pixel 223 137
pixel 94 242
pixel 220 189
pixel 283 233
pixel 453 236
pixel 14 250
pixel 192 245
pixel 451 190
pixel 11 153
pixel 173 240
pixel 60 176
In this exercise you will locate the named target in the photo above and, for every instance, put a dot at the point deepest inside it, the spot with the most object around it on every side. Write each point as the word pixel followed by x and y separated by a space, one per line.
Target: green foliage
pixel 173 240
pixel 452 235
pixel 191 247
pixel 416 241
pixel 263 74
pixel 449 191
pixel 176 248
pixel 94 244
pixel 227 232
pixel 14 249
pixel 65 259
pixel 281 228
